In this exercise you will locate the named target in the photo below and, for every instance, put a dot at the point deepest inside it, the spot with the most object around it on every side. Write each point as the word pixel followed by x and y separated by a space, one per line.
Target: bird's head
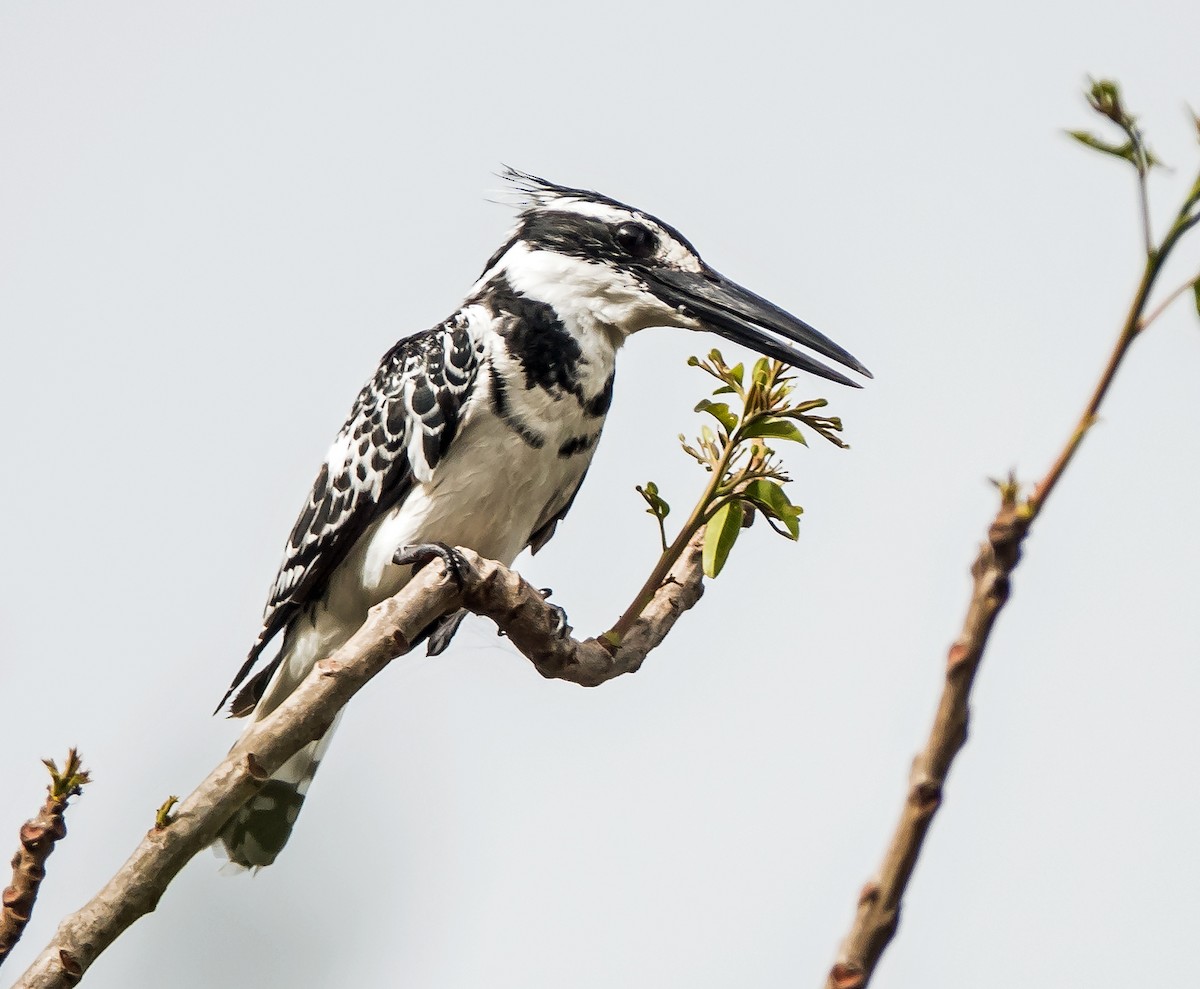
pixel 598 261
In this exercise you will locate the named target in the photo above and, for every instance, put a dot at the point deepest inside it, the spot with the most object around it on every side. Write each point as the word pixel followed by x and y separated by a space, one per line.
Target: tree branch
pixel 38 837
pixel 489 589
pixel 879 902
pixel 878 910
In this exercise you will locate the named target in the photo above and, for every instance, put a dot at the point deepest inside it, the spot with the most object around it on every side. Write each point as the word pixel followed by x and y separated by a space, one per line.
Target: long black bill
pixel 743 317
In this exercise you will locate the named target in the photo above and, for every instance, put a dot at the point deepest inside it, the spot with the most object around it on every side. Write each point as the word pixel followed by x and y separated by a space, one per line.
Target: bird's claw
pixel 422 554
pixel 562 627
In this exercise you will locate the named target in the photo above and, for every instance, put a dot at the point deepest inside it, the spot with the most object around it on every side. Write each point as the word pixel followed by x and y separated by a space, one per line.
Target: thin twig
pixel 1091 411
pixel 1143 167
pixel 1134 323
pixel 670 557
pixel 1162 307
pixel 490 589
pixel 878 911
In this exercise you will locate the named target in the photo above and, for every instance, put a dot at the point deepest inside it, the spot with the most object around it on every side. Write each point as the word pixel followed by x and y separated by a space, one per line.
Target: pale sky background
pixel 215 217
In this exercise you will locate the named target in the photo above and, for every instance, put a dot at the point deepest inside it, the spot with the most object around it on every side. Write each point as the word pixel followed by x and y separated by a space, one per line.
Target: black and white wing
pixel 400 427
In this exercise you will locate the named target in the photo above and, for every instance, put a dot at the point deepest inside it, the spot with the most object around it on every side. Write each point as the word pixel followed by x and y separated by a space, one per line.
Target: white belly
pixel 490 494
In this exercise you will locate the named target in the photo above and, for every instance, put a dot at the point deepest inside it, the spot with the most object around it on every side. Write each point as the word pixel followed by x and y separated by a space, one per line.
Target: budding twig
pixel 877 913
pixel 38 836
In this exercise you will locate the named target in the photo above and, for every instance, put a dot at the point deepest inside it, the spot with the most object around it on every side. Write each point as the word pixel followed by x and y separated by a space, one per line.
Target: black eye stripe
pixel 587 237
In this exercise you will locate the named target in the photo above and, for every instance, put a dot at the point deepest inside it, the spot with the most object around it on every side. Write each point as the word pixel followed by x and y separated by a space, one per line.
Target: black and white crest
pixel 589 226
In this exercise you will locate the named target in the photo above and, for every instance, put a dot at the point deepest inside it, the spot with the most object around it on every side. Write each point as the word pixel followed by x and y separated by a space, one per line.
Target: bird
pixel 478 433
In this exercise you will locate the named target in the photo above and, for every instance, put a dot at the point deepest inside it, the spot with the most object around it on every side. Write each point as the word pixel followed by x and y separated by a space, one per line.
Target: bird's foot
pixel 562 627
pixel 421 554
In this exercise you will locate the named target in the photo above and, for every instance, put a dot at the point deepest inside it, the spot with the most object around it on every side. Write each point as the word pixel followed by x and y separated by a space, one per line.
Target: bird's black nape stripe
pixel 500 252
pixel 573 235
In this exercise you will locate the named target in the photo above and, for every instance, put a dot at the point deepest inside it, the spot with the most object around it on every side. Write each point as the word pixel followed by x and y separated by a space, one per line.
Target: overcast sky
pixel 214 218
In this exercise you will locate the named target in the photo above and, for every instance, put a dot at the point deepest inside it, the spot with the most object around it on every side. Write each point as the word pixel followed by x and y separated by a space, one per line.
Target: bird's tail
pixel 260 828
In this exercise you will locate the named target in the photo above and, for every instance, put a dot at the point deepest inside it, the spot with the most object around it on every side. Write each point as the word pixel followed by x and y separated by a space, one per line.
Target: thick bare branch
pixel 38 836
pixel 489 589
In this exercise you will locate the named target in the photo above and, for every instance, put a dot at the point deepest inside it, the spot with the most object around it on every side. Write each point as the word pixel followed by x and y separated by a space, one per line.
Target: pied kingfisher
pixel 479 432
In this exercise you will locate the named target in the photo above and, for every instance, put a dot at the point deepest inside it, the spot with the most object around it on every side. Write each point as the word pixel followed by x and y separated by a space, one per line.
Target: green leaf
pixel 762 368
pixel 691 451
pixel 770 497
pixel 719 411
pixel 1196 293
pixel 721 534
pixel 658 506
pixel 774 428
pixel 736 372
pixel 1124 151
pixel 825 427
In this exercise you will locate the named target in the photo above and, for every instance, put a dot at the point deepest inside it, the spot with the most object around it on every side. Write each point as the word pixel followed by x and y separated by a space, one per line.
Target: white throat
pixel 590 298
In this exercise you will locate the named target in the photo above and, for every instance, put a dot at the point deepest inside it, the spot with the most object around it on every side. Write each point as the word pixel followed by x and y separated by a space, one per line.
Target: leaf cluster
pixel 751 412
pixel 1105 98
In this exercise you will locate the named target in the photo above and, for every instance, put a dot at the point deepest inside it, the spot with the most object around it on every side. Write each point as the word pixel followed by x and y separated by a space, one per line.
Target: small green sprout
pixel 70 781
pixel 163 816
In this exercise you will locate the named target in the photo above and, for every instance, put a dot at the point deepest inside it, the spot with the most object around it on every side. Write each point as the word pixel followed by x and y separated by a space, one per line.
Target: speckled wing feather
pixel 400 427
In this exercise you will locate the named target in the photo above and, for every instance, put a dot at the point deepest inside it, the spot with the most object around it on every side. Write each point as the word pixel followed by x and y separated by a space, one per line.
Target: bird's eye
pixel 636 240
